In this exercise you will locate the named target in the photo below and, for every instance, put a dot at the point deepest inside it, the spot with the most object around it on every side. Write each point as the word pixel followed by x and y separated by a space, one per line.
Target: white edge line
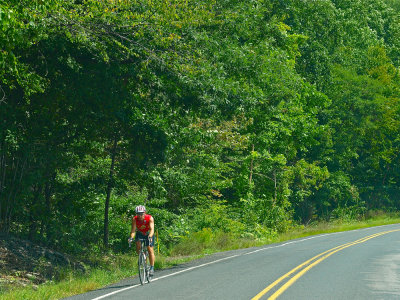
pixel 229 257
pixel 115 292
pixel 165 276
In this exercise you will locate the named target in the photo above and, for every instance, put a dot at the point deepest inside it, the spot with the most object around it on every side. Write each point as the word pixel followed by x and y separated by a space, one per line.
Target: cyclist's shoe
pixel 151 271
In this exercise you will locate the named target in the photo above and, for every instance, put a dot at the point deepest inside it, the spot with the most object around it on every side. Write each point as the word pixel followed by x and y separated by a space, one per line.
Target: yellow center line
pixel 272 285
pixel 324 255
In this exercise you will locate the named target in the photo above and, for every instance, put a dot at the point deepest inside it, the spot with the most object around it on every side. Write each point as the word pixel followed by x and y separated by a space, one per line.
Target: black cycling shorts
pixel 139 235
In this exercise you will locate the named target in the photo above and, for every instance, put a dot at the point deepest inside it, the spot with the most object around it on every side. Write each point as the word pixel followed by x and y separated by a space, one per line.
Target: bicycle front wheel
pixel 142 268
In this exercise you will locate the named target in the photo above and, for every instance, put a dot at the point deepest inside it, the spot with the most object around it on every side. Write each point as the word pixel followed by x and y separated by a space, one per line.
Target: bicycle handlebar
pixel 130 240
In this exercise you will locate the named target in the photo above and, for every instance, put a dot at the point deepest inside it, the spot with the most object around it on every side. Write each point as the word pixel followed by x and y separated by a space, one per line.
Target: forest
pixel 242 117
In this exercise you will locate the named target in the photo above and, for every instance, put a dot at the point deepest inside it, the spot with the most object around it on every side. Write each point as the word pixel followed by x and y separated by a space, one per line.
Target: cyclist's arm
pixel 151 233
pixel 133 230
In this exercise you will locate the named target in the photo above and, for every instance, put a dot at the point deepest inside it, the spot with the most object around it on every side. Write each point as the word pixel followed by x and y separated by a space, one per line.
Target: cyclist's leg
pixel 137 240
pixel 138 247
pixel 152 257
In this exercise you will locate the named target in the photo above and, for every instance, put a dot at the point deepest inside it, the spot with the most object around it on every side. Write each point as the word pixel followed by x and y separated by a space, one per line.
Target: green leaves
pixel 285 109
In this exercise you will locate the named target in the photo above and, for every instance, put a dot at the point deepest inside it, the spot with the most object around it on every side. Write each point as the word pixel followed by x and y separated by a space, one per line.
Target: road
pixel 358 264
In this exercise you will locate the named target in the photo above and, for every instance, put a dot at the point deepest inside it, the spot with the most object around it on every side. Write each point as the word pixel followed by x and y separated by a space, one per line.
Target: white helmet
pixel 140 209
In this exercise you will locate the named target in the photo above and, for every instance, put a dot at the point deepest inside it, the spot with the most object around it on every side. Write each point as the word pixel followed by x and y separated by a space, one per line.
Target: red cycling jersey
pixel 143 225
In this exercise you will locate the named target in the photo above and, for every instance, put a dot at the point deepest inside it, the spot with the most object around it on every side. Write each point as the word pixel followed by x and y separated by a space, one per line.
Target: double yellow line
pixel 307 265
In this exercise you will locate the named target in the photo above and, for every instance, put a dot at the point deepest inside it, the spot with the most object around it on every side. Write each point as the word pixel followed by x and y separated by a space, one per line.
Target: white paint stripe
pixel 195 267
pixel 229 257
pixel 165 276
pixel 297 241
pixel 115 292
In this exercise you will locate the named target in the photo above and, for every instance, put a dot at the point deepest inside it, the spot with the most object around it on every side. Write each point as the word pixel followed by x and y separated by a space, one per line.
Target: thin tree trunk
pixel 47 218
pixel 2 170
pixel 275 185
pixel 109 190
pixel 33 212
pixel 2 167
pixel 2 185
pixel 251 166
pixel 13 201
pixel 12 188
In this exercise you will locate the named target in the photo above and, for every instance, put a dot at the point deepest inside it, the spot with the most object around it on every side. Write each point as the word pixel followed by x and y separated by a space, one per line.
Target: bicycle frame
pixel 143 266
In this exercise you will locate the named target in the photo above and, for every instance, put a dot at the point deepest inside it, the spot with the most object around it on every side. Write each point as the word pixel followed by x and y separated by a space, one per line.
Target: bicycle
pixel 143 267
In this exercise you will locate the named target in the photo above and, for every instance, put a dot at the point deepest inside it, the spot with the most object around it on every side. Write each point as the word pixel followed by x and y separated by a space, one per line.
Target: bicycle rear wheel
pixel 142 268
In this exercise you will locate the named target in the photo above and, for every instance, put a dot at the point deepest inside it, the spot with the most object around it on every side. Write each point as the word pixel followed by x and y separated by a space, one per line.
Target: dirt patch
pixel 24 263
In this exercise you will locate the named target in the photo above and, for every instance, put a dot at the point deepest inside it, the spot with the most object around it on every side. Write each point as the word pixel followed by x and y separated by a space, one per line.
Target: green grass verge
pixel 111 270
pixel 118 267
pixel 337 226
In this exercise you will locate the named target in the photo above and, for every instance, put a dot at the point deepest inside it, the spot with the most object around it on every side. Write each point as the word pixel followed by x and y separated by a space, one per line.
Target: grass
pixel 118 267
pixel 113 269
pixel 339 225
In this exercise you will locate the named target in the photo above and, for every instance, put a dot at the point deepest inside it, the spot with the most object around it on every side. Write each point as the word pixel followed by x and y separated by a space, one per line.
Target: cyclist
pixel 143 228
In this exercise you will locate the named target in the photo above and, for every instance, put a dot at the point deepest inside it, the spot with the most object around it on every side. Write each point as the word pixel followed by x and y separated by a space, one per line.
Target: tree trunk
pixel 2 185
pixel 33 212
pixel 109 190
pixel 251 166
pixel 2 169
pixel 48 191
pixel 12 189
pixel 12 203
pixel 275 191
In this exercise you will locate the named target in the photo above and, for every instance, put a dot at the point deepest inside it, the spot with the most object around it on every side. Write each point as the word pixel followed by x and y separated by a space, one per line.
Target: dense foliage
pixel 244 117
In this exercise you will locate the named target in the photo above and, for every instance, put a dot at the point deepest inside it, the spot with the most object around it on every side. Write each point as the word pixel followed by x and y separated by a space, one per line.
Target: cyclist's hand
pixel 150 239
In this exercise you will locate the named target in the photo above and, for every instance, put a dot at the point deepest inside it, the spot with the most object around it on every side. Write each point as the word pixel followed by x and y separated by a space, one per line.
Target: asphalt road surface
pixel 360 264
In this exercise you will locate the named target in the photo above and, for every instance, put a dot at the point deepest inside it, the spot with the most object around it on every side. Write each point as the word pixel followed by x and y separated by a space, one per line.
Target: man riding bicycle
pixel 143 228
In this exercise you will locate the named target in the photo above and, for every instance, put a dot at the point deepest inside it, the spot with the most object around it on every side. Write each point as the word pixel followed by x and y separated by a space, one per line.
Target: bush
pixel 277 219
pixel 350 213
pixel 207 240
pixel 338 198
pixel 194 243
